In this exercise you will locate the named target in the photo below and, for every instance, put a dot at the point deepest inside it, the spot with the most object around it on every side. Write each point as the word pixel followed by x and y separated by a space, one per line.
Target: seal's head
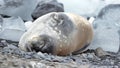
pixel 42 43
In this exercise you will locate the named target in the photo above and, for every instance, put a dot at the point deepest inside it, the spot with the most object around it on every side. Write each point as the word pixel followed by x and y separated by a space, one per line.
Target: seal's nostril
pixel 35 46
pixel 36 49
pixel 46 44
pixel 43 44
pixel 47 49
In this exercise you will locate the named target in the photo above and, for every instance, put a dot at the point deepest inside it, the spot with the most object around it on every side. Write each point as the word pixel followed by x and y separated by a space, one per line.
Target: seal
pixel 58 33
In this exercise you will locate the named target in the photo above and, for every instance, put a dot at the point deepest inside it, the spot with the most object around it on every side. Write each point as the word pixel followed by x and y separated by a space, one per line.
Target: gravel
pixel 11 56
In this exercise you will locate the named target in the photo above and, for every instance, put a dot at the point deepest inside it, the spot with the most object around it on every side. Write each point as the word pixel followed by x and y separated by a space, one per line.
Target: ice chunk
pixel 1 22
pixel 91 20
pixel 86 8
pixel 12 28
pixel 106 29
pixel 22 8
pixel 28 24
pixel 112 2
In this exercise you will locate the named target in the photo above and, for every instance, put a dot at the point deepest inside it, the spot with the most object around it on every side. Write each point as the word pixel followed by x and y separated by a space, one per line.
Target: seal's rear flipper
pixel 80 50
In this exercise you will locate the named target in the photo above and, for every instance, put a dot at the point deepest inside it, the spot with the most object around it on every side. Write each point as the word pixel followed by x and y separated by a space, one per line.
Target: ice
pixel 107 29
pixel 22 8
pixel 1 21
pixel 12 28
pixel 86 8
pixel 112 1
pixel 28 24
pixel 91 20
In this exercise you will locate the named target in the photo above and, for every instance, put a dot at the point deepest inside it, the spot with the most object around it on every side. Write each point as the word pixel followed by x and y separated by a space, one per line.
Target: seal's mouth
pixel 43 44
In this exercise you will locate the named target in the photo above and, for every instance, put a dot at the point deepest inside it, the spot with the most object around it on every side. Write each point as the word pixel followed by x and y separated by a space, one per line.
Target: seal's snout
pixel 42 43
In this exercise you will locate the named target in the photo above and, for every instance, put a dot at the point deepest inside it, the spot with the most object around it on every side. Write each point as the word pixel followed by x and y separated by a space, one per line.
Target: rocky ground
pixel 12 57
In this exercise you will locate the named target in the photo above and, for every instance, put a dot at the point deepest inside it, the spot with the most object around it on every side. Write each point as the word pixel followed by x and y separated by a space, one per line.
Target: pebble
pixel 100 52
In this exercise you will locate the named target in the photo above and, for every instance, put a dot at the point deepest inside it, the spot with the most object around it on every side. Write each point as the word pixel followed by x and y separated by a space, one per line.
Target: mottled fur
pixel 57 33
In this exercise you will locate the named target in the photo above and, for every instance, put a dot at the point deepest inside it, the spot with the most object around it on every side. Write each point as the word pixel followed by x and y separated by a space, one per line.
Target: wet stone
pixel 3 43
pixel 47 6
pixel 101 53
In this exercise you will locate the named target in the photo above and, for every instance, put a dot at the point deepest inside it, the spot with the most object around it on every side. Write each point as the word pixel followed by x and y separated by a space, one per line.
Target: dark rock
pixel 100 52
pixel 11 49
pixel 47 6
pixel 3 43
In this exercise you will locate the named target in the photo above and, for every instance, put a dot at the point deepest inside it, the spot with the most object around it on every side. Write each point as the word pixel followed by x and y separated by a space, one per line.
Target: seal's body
pixel 57 33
